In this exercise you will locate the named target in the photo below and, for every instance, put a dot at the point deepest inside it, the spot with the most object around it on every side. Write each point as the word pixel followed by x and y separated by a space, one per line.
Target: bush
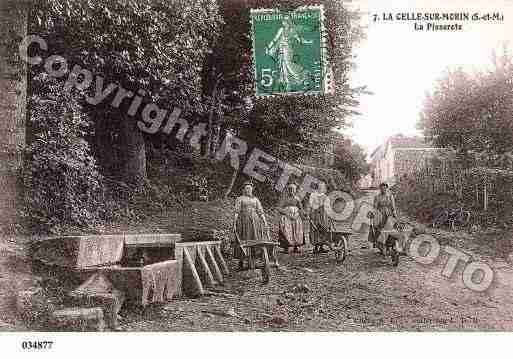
pixel 61 179
pixel 183 171
pixel 424 195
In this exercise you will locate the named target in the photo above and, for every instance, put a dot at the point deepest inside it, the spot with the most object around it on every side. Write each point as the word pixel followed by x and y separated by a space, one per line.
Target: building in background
pixel 398 156
pixel 365 182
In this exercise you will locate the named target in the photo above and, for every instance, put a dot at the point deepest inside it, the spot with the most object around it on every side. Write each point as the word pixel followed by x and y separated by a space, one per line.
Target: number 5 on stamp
pixel 288 51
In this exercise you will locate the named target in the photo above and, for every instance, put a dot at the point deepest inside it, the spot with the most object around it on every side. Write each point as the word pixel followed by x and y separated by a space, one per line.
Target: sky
pixel 399 64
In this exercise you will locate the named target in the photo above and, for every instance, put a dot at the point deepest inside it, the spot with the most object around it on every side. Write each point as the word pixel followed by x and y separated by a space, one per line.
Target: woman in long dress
pixel 291 225
pixel 384 210
pixel 320 221
pixel 250 221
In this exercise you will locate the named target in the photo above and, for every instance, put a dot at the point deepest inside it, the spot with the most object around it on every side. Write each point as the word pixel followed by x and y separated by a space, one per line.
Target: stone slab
pixel 80 252
pixel 154 283
pixel 152 240
pixel 75 318
pixel 98 291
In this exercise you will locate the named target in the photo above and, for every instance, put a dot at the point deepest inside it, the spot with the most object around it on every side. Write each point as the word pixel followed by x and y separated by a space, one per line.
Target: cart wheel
pixel 340 249
pixel 380 248
pixel 266 274
pixel 394 253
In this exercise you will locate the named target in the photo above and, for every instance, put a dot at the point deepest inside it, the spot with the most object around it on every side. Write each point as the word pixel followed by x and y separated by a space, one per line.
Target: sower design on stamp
pixel 288 51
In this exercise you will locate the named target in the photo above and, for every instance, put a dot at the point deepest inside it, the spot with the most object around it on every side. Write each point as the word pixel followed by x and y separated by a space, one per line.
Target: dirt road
pixel 313 293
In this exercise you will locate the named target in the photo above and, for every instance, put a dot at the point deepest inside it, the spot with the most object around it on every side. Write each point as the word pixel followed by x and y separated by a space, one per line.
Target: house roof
pixel 401 141
pixel 375 151
pixel 407 142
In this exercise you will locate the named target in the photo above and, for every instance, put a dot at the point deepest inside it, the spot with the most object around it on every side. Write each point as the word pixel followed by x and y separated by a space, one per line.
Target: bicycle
pixel 452 217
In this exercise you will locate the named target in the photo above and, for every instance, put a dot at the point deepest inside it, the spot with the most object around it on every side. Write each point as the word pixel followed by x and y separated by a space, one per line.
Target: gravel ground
pixel 314 293
pixel 365 293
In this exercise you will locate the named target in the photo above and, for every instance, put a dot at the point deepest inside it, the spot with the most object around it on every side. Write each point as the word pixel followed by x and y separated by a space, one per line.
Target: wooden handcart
pixel 335 238
pixel 251 251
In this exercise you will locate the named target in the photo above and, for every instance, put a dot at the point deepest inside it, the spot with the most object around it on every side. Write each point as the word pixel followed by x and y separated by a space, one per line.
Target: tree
pixel 472 112
pixel 13 27
pixel 350 159
pixel 287 127
pixel 156 46
pixel 62 182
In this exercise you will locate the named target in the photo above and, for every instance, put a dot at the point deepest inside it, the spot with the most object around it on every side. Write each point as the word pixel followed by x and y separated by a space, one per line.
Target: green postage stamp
pixel 288 51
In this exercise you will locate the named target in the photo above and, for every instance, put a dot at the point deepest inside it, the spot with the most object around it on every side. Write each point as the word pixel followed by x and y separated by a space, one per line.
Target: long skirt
pixel 320 220
pixel 291 229
pixel 379 223
pixel 249 227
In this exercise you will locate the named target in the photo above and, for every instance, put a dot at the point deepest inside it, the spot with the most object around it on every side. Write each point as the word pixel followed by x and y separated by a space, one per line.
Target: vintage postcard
pixel 255 166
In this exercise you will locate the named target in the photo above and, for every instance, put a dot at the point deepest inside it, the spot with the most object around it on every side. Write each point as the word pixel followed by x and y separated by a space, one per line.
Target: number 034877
pixel 36 345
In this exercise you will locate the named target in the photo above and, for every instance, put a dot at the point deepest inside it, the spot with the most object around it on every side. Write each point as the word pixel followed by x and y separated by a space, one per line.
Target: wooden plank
pixel 213 264
pixel 220 259
pixel 485 195
pixel 191 284
pixel 207 276
pixel 266 271
pixel 193 248
pixel 193 244
pixel 152 240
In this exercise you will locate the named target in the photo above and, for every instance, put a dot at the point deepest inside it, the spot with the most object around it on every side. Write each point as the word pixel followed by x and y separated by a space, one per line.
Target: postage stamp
pixel 288 51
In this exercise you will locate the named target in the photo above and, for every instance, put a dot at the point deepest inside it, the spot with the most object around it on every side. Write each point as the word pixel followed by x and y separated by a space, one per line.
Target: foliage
pixel 189 174
pixel 471 114
pixel 350 159
pixel 156 46
pixel 177 52
pixel 445 182
pixel 62 182
pixel 153 45
pixel 289 127
pixel 472 111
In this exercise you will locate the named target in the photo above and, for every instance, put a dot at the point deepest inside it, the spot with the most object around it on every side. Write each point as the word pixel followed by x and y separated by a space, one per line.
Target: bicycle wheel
pixel 441 219
pixel 462 219
pixel 394 254
pixel 465 218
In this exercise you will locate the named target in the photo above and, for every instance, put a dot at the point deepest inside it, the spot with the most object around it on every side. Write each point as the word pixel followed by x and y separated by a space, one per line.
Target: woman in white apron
pixel 291 225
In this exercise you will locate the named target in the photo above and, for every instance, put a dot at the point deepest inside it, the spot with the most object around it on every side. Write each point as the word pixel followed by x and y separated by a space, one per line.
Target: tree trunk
pixel 211 119
pixel 134 156
pixel 232 183
pixel 103 151
pixel 13 102
pixel 485 195
pixel 215 138
pixel 15 267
